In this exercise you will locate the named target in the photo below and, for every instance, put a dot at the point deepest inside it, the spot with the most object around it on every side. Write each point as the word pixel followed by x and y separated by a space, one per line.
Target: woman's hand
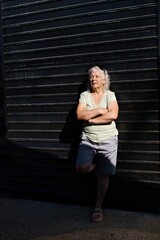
pixel 102 111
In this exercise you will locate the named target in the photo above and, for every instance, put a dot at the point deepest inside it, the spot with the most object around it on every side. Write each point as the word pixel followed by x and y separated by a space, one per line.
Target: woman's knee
pixel 85 168
pixel 82 168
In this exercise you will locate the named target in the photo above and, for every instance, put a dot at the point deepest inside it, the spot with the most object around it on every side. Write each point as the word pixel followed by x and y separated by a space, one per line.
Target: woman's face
pixel 96 78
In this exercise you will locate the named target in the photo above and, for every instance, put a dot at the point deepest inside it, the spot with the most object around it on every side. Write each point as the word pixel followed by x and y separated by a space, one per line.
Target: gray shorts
pixel 105 153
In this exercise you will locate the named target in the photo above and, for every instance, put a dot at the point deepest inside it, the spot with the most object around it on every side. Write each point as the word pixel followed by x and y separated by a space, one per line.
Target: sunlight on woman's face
pixel 96 79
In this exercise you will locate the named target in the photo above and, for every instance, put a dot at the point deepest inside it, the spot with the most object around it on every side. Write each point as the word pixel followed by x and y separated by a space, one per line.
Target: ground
pixel 22 219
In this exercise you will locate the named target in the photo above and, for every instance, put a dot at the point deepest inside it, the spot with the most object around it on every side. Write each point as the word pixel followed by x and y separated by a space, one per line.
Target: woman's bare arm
pixel 84 114
pixel 109 116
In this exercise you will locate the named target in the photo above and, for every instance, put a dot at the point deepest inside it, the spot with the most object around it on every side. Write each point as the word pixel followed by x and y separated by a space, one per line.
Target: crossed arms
pixel 98 115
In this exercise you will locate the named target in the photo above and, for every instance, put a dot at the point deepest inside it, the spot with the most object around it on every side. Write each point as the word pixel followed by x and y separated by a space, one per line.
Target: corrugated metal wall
pixel 48 48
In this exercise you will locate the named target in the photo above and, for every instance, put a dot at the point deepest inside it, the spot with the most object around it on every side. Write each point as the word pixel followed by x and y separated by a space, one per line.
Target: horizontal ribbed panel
pixel 48 48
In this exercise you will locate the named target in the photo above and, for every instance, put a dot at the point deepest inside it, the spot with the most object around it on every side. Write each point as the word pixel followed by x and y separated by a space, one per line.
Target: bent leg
pixel 86 153
pixel 86 168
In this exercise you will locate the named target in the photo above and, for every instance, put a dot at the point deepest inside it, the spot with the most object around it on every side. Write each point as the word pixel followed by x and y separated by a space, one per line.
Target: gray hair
pixel 104 72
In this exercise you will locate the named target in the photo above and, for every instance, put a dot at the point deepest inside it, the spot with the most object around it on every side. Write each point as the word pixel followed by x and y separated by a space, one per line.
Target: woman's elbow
pixel 114 116
pixel 80 116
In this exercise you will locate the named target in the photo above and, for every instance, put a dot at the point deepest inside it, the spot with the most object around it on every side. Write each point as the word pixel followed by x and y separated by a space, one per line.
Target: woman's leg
pixel 86 154
pixel 102 187
pixel 86 168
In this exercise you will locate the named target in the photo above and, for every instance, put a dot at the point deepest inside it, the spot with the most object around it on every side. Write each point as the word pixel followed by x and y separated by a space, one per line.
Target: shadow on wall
pixel 72 129
pixel 33 173
pixel 71 133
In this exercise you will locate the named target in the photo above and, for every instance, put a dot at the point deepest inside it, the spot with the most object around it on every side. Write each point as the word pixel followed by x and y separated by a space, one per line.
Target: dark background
pixel 47 48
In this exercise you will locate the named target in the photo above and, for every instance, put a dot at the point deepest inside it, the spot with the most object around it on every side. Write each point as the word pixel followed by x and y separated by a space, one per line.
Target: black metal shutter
pixel 48 48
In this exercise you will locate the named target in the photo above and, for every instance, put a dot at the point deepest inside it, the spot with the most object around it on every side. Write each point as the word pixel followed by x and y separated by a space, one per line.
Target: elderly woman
pixel 98 108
